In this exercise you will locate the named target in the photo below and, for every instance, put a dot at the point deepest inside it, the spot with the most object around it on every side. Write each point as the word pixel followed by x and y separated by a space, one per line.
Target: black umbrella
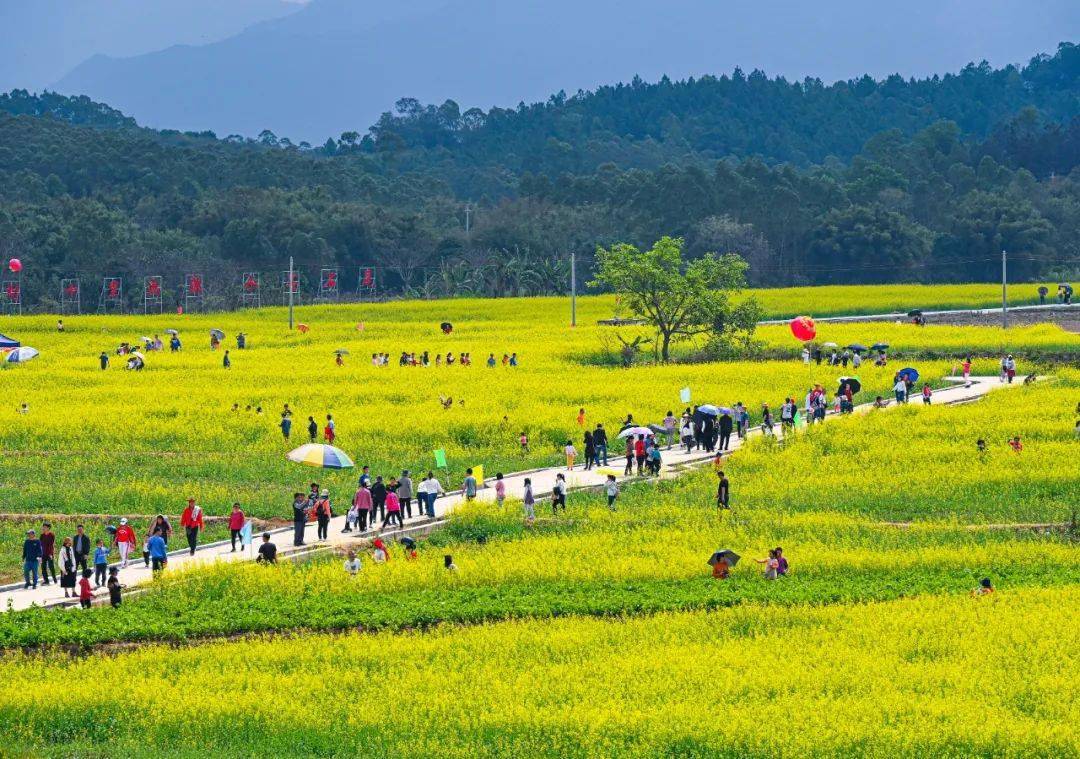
pixel 879 346
pixel 914 312
pixel 730 557
pixel 852 382
pixel 857 347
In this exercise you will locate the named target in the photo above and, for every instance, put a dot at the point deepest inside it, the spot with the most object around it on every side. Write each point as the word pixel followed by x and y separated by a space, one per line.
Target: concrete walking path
pixel 675 462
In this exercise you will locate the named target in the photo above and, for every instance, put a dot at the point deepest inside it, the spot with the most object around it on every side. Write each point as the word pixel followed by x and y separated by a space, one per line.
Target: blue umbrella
pixel 709 409
pixel 911 375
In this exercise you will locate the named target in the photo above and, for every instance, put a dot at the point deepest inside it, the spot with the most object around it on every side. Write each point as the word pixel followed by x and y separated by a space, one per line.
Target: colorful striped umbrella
pixel 326 456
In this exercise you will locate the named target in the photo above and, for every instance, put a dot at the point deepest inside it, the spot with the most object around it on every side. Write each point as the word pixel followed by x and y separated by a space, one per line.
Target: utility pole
pixel 468 214
pixel 291 291
pixel 1004 291
pixel 573 288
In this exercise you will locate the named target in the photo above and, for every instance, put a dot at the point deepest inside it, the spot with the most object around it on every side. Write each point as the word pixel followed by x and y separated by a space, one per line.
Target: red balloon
pixel 803 328
pixel 15 265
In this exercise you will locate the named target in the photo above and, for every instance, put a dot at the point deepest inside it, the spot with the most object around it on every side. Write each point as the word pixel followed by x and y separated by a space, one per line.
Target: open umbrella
pixel 709 409
pixel 879 346
pixel 730 557
pixel 914 312
pixel 172 332
pixel 21 355
pixel 857 347
pixel 316 454
pixel 137 354
pixel 726 410
pixel 146 339
pixel 217 333
pixel 909 374
pixel 635 431
pixel 342 352
pixel 852 382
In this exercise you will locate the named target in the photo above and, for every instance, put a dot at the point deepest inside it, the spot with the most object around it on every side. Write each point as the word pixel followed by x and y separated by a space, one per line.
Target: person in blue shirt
pixel 174 344
pixel 159 551
pixel 31 556
pixel 101 563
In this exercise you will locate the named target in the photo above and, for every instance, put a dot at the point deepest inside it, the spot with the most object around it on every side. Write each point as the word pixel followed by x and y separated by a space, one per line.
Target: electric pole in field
pixel 573 289
pixel 291 290
pixel 468 216
pixel 1004 291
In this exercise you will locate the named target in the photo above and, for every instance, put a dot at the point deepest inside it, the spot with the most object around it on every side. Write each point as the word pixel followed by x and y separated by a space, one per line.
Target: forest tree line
pixel 860 181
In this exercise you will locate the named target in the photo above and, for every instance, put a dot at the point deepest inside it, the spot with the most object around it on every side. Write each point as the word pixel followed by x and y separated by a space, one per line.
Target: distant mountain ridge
pixel 336 65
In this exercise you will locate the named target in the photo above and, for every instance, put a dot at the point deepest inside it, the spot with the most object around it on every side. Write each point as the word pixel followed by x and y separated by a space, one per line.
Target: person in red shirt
pixel 86 593
pixel 236 524
pixel 48 551
pixel 124 540
pixel 639 454
pixel 192 521
pixel 1016 445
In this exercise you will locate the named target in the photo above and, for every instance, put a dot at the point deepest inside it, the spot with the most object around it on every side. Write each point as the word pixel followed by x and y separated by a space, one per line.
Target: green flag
pixel 440 458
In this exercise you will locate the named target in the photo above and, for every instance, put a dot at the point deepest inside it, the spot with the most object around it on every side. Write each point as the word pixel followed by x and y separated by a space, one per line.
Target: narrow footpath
pixel 675 462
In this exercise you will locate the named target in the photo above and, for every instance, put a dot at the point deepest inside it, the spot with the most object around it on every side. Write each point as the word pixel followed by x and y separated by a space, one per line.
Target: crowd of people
pixel 425 359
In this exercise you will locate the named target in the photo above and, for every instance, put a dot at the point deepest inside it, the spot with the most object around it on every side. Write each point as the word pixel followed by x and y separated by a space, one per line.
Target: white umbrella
pixel 21 355
pixel 635 431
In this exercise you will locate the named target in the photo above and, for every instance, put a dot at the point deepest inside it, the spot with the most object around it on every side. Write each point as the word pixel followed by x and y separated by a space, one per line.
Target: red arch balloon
pixel 803 328
pixel 15 265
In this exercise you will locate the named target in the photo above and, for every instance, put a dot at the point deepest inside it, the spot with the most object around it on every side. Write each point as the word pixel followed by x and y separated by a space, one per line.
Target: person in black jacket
pixel 312 429
pixel 80 543
pixel 31 557
pixel 599 437
pixel 378 499
pixel 300 509
pixel 708 433
pixel 726 425
pixel 723 492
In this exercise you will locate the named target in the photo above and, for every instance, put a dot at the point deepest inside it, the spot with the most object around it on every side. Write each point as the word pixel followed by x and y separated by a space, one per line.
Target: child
pixel 771 565
pixel 500 490
pixel 581 417
pixel 352 564
pixel 966 368
pixel 524 440
pixel 529 502
pixel 926 393
pixel 611 487
pixel 379 554
pixel 86 593
pixel 1015 444
pixel 985 588
pixel 781 562
pixel 114 587
pixel 571 454
pixel 655 459
pixel 101 563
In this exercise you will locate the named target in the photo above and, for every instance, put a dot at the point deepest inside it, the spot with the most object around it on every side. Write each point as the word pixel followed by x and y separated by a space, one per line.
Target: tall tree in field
pixel 679 300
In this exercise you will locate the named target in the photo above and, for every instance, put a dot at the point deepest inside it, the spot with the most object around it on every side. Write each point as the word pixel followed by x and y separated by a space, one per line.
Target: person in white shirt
pixel 558 494
pixel 900 389
pixel 352 564
pixel 571 454
pixel 428 490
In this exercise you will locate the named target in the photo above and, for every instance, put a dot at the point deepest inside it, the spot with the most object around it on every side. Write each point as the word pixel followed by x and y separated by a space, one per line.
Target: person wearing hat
pixel 192 521
pixel 31 557
pixel 267 551
pixel 124 540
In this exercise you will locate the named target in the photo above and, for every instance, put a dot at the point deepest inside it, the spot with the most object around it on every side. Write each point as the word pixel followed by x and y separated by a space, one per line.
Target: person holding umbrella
pixel 722 563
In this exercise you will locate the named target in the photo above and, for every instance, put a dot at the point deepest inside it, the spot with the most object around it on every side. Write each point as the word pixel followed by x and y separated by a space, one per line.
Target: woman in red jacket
pixel 192 521
pixel 236 523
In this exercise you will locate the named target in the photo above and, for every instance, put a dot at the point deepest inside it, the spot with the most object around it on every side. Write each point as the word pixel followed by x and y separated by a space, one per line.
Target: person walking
pixel 766 420
pixel 611 489
pixel 101 563
pixel 528 500
pixel 159 552
pixel 431 488
pixel 48 551
pixel 226 362
pixel 80 543
pixel 86 593
pixel 688 434
pixel 405 494
pixel 590 449
pixel 362 503
pixel 927 393
pixel 900 389
pixel 601 442
pixel 723 492
pixel 787 415
pixel 236 524
pixel 330 431
pixel 312 429
pixel 558 494
pixel 286 426
pixel 393 510
pixel 103 360
pixel 299 507
pixel 124 540
pixel 500 490
pixel 192 521
pixel 727 424
pixel 469 485
pixel 671 427
pixel 31 558
pixel 68 567
pixel 114 587
pixel 571 454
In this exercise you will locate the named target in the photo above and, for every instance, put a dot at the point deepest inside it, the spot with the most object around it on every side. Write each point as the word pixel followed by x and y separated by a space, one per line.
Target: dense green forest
pixel 859 181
